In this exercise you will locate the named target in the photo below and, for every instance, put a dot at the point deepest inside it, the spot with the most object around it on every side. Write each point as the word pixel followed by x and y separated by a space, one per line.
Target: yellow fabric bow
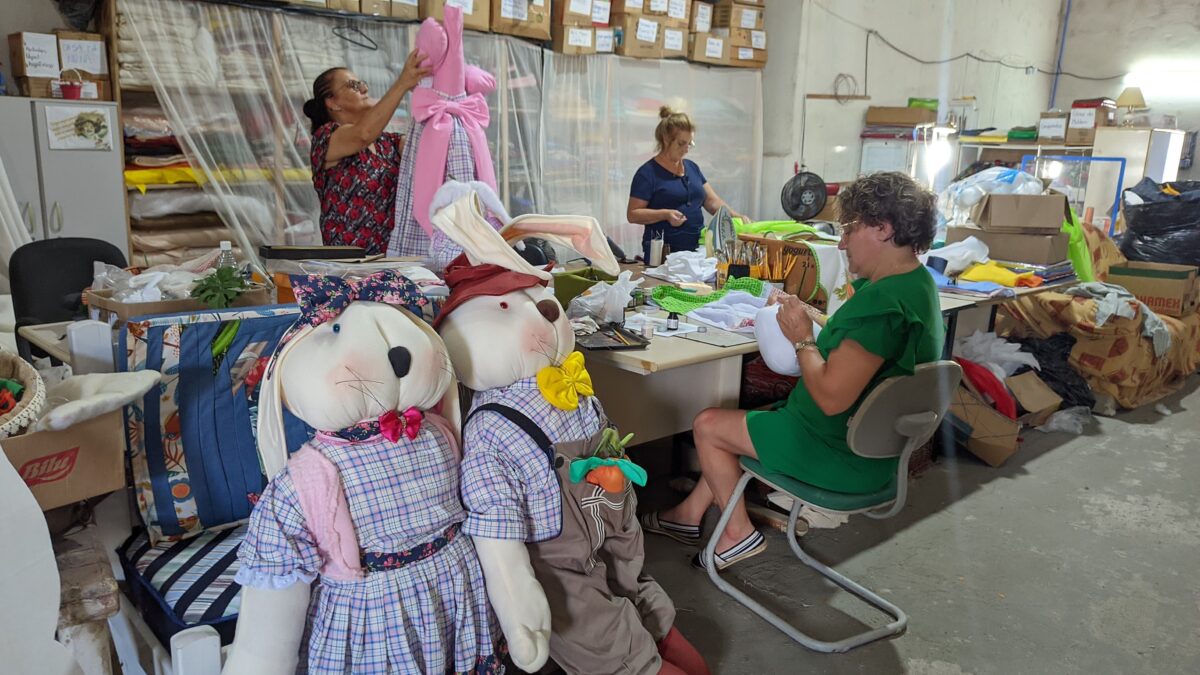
pixel 563 385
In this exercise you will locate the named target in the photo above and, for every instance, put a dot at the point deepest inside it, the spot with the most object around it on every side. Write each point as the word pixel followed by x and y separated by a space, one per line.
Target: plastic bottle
pixel 227 258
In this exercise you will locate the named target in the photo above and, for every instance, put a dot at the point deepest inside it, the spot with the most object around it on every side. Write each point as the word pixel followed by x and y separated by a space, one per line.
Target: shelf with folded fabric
pixel 212 89
pixel 177 177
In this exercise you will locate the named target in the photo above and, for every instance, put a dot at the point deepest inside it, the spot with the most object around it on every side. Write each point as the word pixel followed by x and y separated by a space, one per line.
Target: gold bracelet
pixel 804 343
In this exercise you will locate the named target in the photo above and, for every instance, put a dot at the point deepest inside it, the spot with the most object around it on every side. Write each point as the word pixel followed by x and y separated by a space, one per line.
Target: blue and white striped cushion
pixel 194 577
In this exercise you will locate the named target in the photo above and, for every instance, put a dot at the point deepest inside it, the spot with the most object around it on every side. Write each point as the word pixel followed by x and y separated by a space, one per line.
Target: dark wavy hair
pixel 314 107
pixel 891 197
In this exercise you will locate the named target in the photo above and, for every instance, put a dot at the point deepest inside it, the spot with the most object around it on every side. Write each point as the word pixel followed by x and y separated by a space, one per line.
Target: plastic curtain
pixel 566 136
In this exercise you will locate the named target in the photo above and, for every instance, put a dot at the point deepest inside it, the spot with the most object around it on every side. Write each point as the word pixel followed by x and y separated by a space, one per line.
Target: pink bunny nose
pixel 549 310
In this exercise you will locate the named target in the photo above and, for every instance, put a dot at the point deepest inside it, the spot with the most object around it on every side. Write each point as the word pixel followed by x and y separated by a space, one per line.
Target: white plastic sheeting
pixel 567 133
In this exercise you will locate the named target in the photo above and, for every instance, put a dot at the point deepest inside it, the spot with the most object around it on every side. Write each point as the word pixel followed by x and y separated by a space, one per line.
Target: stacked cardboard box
pixel 1019 228
pixel 1086 115
pixel 42 62
pixel 522 18
pixel 639 35
pixel 571 27
pixel 708 48
pixel 702 14
pixel 476 13
pixel 730 14
pixel 747 46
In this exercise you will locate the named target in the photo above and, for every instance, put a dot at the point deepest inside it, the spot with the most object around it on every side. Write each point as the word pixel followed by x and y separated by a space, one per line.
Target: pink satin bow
pixel 408 423
pixel 438 114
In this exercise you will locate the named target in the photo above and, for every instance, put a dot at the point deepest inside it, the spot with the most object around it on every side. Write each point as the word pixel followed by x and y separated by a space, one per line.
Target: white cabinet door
pixel 19 152
pixel 83 191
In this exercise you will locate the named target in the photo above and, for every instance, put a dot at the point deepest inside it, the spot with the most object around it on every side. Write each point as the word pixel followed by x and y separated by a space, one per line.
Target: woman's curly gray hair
pixel 891 197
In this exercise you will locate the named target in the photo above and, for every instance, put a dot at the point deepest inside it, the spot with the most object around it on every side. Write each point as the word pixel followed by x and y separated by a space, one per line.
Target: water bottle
pixel 227 258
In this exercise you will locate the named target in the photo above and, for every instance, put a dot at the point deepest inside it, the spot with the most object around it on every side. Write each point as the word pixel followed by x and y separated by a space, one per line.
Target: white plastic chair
pixel 896 418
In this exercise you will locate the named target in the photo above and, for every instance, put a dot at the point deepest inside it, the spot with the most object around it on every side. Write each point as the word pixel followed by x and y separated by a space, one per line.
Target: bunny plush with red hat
pixel 544 481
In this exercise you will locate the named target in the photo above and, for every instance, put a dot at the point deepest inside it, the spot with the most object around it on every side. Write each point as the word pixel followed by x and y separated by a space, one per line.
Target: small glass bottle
pixel 672 321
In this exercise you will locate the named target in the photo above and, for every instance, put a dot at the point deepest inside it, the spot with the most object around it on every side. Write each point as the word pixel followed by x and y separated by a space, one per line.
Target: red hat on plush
pixel 467 281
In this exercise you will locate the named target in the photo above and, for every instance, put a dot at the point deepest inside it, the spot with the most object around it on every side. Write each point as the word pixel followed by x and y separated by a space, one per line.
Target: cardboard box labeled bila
pixel 1028 214
pixel 64 467
pixel 476 13
pixel 1036 249
pixel 1052 127
pixel 573 40
pixel 573 13
pixel 899 116
pixel 708 48
pixel 638 36
pixel 737 15
pixel 1165 288
pixel 522 18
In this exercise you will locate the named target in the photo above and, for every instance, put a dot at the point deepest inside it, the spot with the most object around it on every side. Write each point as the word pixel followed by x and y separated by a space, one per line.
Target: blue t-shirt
pixel 664 190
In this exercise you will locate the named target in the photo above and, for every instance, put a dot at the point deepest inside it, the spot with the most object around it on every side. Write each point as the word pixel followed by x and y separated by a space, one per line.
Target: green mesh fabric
pixel 677 300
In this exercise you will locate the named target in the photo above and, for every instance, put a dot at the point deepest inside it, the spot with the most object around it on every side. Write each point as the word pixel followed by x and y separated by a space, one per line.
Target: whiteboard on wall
pixel 832 147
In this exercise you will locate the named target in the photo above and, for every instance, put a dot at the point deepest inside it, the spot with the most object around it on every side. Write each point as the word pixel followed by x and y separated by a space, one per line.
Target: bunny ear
pixel 463 221
pixel 581 233
pixel 272 441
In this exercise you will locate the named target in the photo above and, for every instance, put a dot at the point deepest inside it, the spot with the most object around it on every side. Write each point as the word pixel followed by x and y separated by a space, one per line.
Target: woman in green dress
pixel 890 324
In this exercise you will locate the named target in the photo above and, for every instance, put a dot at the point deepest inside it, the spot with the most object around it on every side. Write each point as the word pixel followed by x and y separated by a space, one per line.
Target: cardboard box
pixel 674 43
pixel 656 7
pixel 679 13
pixel 708 48
pixel 898 116
pixel 977 426
pixel 103 308
pixel 573 13
pixel 638 36
pixel 742 37
pixel 1034 396
pixel 1028 214
pixel 745 57
pixel 601 13
pixel 573 40
pixel 1052 127
pixel 83 52
pixel 1083 120
pixel 375 7
pixel 1037 249
pixel 344 5
pixel 702 13
pixel 49 87
pixel 528 19
pixel 476 13
pixel 33 55
pixel 737 15
pixel 64 467
pixel 1165 288
pixel 606 42
pixel 629 6
pixel 406 10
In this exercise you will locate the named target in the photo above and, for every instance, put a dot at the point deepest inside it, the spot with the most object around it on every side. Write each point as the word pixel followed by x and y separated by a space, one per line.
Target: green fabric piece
pixel 897 318
pixel 581 467
pixel 1077 249
pixel 14 387
pixel 820 497
pixel 784 227
pixel 677 300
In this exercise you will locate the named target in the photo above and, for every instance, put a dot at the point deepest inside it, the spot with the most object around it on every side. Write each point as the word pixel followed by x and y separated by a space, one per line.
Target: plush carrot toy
pixel 608 467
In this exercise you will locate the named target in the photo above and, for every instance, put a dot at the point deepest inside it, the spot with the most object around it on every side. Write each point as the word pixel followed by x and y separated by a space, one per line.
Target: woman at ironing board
pixel 354 161
pixel 669 190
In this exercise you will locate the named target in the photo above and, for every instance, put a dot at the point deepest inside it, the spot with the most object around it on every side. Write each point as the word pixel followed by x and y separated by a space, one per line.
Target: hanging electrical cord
pixel 871 32
pixel 844 80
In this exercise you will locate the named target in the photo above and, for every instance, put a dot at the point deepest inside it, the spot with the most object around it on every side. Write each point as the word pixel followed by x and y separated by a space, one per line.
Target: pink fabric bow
pixel 408 423
pixel 439 113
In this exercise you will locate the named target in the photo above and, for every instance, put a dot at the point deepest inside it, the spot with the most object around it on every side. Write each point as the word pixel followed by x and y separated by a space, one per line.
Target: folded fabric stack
pixel 148 39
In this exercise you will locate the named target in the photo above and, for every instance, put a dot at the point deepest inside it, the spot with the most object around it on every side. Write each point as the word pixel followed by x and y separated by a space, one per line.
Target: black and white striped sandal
pixel 752 545
pixel 684 534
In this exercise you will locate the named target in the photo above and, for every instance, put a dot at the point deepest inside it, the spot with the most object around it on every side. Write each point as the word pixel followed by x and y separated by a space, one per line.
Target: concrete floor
pixel 1079 555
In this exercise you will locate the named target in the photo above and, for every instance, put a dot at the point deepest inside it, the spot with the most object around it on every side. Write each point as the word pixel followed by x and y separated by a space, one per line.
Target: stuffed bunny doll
pixel 543 476
pixel 447 139
pixel 370 505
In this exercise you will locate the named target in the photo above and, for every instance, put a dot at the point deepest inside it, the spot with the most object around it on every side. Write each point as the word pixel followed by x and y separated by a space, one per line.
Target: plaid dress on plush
pixel 430 616
pixel 508 485
pixel 408 237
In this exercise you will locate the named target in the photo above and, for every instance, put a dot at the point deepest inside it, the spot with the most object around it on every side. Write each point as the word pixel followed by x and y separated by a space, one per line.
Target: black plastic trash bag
pixel 1053 355
pixel 1163 228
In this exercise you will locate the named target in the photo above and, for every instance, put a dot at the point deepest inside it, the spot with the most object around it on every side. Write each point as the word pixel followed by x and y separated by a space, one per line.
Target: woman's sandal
pixel 684 534
pixel 752 545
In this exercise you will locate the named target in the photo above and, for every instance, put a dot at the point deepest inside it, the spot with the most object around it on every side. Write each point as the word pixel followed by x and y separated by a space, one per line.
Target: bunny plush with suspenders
pixel 353 560
pixel 544 477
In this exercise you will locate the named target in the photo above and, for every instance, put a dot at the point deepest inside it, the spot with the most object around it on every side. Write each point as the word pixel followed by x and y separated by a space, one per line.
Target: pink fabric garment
pixel 440 114
pixel 327 515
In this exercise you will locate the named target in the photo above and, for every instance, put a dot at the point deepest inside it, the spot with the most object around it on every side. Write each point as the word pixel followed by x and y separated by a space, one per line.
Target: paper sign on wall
pixel 79 127
pixel 673 40
pixel 604 40
pixel 579 37
pixel 583 7
pixel 749 18
pixel 517 10
pixel 467 6
pixel 1083 118
pixel 85 55
pixel 647 31
pixel 714 48
pixel 601 10
pixel 758 39
pixel 40 54
pixel 677 9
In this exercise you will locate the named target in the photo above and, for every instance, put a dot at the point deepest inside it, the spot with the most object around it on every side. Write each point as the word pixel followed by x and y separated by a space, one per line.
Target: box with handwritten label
pixel 34 55
pixel 476 13
pixel 638 36
pixel 522 18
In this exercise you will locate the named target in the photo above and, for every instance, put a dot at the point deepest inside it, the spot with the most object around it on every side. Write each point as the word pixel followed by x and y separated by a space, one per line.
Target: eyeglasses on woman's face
pixel 684 143
pixel 356 86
